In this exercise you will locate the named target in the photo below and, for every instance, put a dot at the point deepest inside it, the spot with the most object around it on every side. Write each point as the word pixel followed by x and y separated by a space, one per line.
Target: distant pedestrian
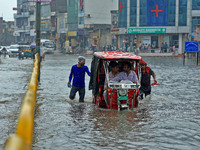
pixel 162 47
pixel 43 55
pixel 33 53
pixel 166 47
pixel 78 75
pixel 41 49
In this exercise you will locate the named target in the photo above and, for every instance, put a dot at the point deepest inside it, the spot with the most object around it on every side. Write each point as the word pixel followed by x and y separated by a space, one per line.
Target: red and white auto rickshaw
pixel 121 95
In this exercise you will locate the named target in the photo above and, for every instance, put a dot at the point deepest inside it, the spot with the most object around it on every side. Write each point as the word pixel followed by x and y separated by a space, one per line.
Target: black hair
pixel 113 64
pixel 128 64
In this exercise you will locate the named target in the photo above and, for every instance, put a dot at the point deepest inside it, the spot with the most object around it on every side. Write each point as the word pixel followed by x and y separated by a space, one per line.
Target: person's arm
pixel 71 74
pixel 154 76
pixel 119 77
pixel 136 78
pixel 88 72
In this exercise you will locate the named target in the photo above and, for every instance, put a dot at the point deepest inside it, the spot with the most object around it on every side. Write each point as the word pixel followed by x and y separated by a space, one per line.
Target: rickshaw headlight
pixel 122 92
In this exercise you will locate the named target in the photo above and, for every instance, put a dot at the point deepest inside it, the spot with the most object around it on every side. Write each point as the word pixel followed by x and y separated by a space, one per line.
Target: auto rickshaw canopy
pixel 116 55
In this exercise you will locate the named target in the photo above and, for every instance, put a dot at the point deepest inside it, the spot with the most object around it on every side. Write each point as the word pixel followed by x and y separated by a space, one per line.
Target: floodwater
pixel 14 78
pixel 169 119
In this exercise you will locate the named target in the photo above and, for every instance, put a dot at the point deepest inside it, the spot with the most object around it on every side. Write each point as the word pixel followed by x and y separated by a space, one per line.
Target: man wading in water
pixel 78 74
pixel 146 79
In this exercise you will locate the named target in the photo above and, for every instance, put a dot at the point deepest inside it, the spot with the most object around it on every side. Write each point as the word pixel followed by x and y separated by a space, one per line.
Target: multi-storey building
pixel 6 32
pixel 72 21
pixel 153 22
pixel 94 21
pixel 22 22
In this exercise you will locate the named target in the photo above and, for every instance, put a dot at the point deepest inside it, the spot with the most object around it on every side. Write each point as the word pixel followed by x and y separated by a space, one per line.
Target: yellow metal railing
pixel 22 139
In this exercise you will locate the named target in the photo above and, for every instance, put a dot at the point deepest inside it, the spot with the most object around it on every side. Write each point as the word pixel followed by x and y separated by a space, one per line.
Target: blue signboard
pixel 191 47
pixel 80 31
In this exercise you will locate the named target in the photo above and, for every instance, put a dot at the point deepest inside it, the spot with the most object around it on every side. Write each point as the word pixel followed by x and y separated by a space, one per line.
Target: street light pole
pixel 38 22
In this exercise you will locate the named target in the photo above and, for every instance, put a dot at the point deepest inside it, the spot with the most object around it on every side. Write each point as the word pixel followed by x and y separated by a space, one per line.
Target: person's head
pixel 81 60
pixel 142 64
pixel 127 67
pixel 114 67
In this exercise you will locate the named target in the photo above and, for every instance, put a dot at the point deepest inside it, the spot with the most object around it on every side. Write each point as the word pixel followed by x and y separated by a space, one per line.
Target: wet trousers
pixel 81 91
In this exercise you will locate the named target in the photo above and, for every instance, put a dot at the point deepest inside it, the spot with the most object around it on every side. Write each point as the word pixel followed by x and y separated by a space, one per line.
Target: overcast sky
pixel 6 11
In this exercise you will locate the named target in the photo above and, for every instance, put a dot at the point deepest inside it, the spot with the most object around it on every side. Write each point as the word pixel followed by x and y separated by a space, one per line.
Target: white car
pixel 13 51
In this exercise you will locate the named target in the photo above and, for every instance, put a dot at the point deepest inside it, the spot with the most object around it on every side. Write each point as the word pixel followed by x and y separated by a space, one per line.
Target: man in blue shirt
pixel 78 74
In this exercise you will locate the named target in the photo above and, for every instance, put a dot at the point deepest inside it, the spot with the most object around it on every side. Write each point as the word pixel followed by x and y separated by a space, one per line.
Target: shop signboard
pixel 146 30
pixel 80 31
pixel 39 0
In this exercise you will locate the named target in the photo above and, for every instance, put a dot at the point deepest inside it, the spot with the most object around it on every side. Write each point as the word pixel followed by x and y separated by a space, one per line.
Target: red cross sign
pixel 120 6
pixel 157 10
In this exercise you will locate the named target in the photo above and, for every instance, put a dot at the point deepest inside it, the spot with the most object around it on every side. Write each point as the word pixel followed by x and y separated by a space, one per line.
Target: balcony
pixel 23 15
pixel 22 29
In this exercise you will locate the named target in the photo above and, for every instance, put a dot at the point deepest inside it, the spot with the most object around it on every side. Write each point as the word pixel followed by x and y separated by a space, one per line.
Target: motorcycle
pixel 21 55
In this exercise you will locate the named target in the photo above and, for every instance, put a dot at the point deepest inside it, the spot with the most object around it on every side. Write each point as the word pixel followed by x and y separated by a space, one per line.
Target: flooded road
pixel 14 78
pixel 169 119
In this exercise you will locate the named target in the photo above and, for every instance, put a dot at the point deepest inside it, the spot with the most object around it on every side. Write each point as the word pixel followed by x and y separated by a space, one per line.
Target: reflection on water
pixel 169 119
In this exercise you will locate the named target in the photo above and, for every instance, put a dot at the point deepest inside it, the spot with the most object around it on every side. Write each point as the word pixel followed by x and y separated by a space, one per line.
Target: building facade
pixel 6 32
pixel 94 22
pixel 153 22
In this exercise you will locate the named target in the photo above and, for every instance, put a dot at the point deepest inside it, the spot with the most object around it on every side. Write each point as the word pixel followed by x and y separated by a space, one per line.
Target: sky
pixel 6 9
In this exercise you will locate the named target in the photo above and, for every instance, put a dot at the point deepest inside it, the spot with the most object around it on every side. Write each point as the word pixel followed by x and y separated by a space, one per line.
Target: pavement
pixel 150 53
pixel 156 53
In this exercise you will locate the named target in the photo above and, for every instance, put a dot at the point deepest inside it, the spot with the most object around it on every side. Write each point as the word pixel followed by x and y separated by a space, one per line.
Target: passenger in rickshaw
pixel 112 74
pixel 127 74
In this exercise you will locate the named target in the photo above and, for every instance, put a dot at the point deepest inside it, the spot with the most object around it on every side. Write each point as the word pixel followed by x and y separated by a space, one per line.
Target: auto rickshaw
pixel 27 52
pixel 121 95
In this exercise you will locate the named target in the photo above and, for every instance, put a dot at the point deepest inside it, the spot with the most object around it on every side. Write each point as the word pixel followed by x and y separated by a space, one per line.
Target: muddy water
pixel 169 119
pixel 14 77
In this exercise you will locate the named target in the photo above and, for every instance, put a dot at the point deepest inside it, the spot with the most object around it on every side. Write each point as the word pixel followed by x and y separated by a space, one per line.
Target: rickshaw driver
pixel 112 74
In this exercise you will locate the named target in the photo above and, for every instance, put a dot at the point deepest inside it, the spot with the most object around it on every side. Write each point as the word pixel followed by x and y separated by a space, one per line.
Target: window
pixel 143 12
pixel 133 12
pixel 182 19
pixel 81 20
pixel 61 23
pixel 171 12
pixel 66 23
pixel 196 4
pixel 195 21
pixel 122 21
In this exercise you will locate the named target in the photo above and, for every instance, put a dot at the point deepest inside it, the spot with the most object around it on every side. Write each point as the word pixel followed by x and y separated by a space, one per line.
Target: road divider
pixel 22 139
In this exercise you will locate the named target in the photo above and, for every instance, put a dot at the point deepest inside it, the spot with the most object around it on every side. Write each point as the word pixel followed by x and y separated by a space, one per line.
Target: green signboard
pixel 146 30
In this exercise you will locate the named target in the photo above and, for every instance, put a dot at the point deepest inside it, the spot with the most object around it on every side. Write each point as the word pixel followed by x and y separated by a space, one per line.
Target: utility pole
pixel 38 21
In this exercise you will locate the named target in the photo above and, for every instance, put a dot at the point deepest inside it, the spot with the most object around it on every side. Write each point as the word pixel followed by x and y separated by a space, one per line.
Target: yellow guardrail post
pixel 15 142
pixel 22 140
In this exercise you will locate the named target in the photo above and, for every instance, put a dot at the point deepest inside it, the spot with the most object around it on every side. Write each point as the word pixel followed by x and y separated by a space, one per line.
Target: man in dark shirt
pixel 146 74
pixel 78 74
